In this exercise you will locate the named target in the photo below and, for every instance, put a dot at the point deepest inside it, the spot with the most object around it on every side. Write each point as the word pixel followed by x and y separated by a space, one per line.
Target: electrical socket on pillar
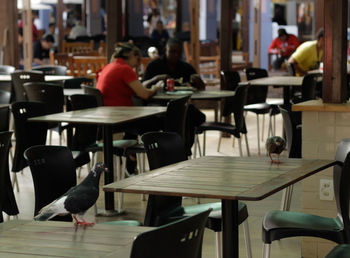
pixel 326 190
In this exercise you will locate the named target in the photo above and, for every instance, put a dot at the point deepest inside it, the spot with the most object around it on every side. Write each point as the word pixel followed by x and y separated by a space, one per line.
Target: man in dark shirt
pixel 171 66
pixel 41 50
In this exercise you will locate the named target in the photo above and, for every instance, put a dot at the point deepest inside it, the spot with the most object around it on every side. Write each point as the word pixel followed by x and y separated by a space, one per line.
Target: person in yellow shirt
pixel 308 55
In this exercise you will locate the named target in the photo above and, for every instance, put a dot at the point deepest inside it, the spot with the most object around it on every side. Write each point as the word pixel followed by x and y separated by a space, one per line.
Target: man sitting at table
pixel 41 50
pixel 284 45
pixel 308 55
pixel 171 66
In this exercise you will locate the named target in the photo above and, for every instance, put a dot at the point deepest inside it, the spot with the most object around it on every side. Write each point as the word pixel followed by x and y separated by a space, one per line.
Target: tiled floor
pixel 135 208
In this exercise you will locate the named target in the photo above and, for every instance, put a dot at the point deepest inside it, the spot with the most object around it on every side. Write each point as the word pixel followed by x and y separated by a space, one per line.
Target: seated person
pixel 308 55
pixel 284 45
pixel 118 82
pixel 77 31
pixel 171 66
pixel 41 50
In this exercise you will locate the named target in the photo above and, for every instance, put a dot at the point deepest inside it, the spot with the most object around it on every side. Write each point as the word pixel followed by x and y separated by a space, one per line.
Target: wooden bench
pixel 77 47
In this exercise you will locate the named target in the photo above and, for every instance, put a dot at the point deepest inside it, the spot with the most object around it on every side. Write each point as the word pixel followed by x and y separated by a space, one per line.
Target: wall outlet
pixel 326 190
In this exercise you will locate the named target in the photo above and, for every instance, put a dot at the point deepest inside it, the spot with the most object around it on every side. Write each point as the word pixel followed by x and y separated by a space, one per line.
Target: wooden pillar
pixel 225 35
pixel 178 27
pixel 114 24
pixel 335 54
pixel 83 12
pixel 319 14
pixel 245 26
pixel 257 33
pixel 9 32
pixel 59 23
pixel 27 35
pixel 194 46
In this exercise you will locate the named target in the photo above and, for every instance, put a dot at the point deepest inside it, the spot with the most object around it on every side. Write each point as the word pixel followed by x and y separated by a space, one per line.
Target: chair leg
pixel 15 181
pixel 199 147
pixel 258 132
pixel 219 142
pixel 263 128
pixel 195 146
pixel 247 145
pixel 240 147
pixel 50 137
pixel 218 244
pixel 248 245
pixel 204 142
pixel 266 250
pixel 286 198
pixel 122 176
pixel 290 188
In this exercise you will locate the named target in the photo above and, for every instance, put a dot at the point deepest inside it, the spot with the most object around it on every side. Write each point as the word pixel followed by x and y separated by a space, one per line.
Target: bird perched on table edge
pixel 77 200
pixel 275 144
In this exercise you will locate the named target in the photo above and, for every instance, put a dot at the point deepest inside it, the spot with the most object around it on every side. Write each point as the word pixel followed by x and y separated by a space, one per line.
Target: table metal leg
pixel 230 243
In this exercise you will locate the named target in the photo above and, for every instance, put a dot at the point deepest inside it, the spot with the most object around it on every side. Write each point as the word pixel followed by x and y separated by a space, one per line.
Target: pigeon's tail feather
pixel 44 216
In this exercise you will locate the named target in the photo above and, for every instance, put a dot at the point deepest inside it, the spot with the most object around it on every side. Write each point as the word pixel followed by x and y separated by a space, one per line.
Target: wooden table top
pixel 7 78
pixel 229 178
pixel 60 239
pixel 196 95
pixel 102 115
pixel 278 81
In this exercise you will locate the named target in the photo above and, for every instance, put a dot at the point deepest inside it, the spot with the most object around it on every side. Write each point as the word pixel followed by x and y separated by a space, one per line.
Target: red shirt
pixel 290 44
pixel 113 83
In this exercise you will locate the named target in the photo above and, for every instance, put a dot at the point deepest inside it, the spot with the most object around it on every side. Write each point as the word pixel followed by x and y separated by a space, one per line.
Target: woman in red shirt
pixel 118 82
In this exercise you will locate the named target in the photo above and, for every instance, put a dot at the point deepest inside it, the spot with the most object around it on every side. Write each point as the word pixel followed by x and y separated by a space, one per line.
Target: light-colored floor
pixel 289 248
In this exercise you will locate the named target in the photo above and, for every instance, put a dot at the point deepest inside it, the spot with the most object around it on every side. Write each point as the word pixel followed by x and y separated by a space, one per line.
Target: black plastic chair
pixel 27 133
pixel 53 172
pixel 4 118
pixel 93 91
pixel 283 224
pixel 5 97
pixel 166 148
pixel 340 251
pixel 7 198
pixel 19 78
pixel 233 105
pixel 51 69
pixel 53 98
pixel 310 88
pixel 75 83
pixel 182 238
pixel 230 79
pixel 256 99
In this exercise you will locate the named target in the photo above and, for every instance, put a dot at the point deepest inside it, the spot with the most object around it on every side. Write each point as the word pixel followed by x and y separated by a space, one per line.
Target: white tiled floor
pixel 135 208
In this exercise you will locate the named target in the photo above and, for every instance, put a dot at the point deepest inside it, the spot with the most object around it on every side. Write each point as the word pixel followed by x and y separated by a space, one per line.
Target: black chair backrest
pixel 75 83
pixel 51 69
pixel 290 122
pixel 240 99
pixel 176 114
pixel 7 69
pixel 341 179
pixel 309 86
pixel 53 172
pixel 84 135
pixel 231 79
pixel 27 133
pixel 7 198
pixel 256 94
pixel 48 93
pixel 5 97
pixel 4 118
pixel 162 148
pixel 93 91
pixel 20 77
pixel 182 238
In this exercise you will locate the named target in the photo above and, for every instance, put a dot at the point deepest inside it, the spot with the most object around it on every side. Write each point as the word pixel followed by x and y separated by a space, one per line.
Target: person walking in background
pixel 160 36
pixel 52 32
pixel 284 45
pixel 308 55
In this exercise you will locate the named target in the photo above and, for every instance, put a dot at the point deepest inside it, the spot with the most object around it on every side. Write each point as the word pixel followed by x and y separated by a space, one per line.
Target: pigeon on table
pixel 275 144
pixel 77 200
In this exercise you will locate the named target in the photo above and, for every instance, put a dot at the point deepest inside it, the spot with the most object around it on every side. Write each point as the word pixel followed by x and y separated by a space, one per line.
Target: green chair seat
pixel 134 223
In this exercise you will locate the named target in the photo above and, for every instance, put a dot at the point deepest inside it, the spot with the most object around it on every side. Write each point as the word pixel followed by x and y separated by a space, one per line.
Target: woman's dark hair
pixel 320 34
pixel 123 50
pixel 282 32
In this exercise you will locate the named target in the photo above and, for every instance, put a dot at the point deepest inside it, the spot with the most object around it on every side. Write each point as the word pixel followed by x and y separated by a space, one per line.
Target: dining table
pixel 279 81
pixel 49 78
pixel 109 118
pixel 195 94
pixel 27 238
pixel 221 177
